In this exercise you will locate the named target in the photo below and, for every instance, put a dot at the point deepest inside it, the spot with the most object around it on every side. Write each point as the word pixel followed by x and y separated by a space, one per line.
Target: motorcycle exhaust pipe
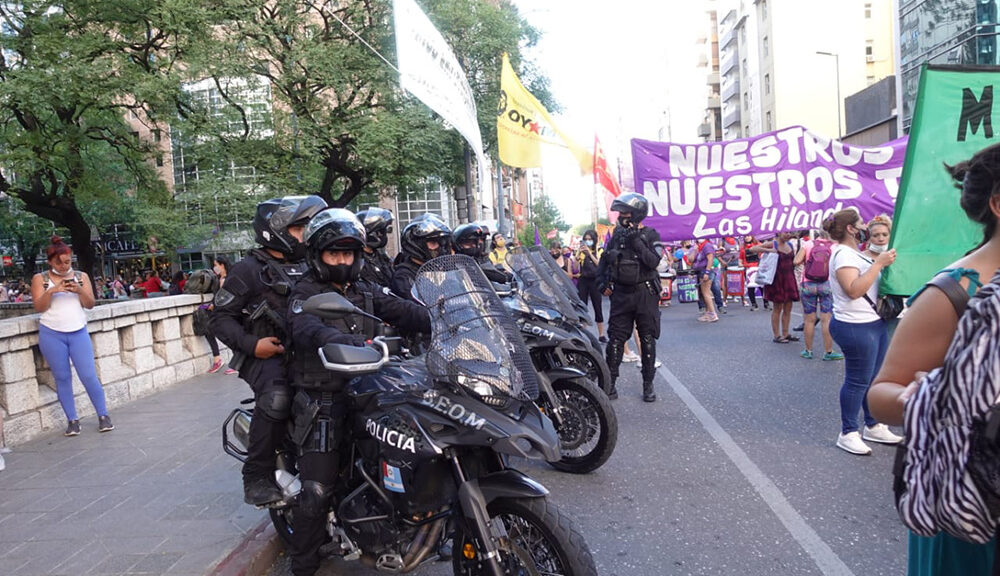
pixel 410 563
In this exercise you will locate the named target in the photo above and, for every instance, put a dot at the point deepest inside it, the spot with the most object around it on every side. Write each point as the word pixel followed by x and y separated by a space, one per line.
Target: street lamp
pixel 837 64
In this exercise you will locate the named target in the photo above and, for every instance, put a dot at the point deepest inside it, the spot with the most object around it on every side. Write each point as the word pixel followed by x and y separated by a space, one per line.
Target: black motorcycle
pixel 428 442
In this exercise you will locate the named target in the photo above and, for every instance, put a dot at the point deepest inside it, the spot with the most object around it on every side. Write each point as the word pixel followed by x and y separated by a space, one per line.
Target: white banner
pixel 429 70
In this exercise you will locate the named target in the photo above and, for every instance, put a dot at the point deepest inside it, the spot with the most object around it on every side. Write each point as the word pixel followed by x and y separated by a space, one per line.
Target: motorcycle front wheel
pixel 588 430
pixel 591 365
pixel 533 537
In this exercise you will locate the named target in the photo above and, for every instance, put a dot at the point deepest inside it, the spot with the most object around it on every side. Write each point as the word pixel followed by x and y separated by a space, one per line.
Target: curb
pixel 254 556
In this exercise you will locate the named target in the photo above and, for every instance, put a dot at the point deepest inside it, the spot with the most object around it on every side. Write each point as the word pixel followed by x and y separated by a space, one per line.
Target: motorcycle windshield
pixel 537 288
pixel 474 340
pixel 560 279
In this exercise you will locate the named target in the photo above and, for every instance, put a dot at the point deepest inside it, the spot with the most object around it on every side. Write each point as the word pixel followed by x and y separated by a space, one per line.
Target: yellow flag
pixel 523 124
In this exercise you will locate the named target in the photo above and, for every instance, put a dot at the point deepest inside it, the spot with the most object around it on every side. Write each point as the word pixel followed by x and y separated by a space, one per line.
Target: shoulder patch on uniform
pixel 236 286
pixel 224 297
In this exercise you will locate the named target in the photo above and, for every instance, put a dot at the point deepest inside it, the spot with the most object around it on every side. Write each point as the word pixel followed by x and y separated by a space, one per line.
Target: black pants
pixel 318 472
pixel 269 424
pixel 212 342
pixel 636 307
pixel 589 291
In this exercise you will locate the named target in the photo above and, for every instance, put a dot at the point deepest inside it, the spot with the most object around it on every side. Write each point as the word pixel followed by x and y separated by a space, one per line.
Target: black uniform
pixel 628 268
pixel 259 280
pixel 320 406
pixel 377 269
pixel 404 274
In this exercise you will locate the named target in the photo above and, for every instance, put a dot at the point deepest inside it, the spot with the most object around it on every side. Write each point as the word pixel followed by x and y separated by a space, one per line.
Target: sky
pixel 621 70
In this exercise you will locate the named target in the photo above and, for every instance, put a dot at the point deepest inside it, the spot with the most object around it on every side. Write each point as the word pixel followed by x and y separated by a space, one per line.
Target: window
pixel 763 10
pixel 746 130
pixel 159 159
pixel 746 100
pixel 868 11
pixel 156 135
pixel 869 50
pixel 769 125
pixel 767 84
pixel 765 46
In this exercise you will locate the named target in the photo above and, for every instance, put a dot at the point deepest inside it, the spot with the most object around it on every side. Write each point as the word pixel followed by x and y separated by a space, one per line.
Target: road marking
pixel 825 558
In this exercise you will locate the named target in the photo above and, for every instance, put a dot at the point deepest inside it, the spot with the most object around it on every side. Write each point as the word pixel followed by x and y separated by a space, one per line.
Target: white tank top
pixel 65 313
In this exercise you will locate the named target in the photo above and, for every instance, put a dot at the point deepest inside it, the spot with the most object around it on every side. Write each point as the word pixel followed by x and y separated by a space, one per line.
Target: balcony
pixel 704 130
pixel 714 102
pixel 727 37
pixel 730 90
pixel 712 78
pixel 728 62
pixel 731 117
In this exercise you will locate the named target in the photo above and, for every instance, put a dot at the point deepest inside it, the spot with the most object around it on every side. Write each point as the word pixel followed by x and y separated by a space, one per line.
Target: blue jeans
pixel 58 348
pixel 864 347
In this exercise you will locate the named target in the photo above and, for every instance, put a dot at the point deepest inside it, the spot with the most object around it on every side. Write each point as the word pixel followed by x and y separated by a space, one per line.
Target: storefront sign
pixel 8 261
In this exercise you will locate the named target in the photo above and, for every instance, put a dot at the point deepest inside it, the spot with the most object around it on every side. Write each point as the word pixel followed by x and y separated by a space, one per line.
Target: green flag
pixel 952 121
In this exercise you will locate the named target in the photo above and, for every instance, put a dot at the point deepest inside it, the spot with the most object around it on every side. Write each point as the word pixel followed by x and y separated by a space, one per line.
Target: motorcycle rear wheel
pixel 588 432
pixel 590 364
pixel 528 529
pixel 284 523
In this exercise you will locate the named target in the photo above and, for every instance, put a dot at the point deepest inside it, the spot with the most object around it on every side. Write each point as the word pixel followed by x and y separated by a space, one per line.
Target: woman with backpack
pixel 816 294
pixel 921 343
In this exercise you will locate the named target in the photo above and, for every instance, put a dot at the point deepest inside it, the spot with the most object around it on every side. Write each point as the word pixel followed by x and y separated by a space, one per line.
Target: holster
pixel 304 411
pixel 317 422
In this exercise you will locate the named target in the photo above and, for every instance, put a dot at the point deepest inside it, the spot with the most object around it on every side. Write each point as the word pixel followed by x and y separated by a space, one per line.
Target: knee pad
pixel 314 499
pixel 647 349
pixel 275 404
pixel 614 351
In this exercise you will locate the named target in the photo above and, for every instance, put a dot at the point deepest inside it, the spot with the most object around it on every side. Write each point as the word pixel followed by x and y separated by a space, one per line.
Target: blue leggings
pixel 58 348
pixel 864 347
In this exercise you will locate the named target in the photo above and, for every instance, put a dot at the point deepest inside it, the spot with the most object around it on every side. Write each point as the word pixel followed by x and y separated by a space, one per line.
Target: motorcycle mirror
pixel 329 305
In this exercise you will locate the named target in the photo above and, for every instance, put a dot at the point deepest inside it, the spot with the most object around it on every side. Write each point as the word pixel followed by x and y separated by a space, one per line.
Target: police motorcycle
pixel 429 440
pixel 550 300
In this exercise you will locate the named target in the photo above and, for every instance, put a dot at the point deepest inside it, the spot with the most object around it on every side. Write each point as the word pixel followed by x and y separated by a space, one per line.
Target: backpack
pixel 948 468
pixel 202 282
pixel 817 267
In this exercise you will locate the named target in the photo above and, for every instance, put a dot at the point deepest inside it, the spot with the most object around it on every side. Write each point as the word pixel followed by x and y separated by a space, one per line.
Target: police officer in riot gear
pixel 425 238
pixel 336 241
pixel 378 226
pixel 470 239
pixel 628 274
pixel 249 317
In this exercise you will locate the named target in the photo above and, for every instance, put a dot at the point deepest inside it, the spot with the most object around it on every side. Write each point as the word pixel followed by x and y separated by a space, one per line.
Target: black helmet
pixel 416 234
pixel 339 230
pixel 378 225
pixel 631 207
pixel 273 218
pixel 467 233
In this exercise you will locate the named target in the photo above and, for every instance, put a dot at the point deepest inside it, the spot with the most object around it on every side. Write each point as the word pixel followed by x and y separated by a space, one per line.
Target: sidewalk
pixel 155 496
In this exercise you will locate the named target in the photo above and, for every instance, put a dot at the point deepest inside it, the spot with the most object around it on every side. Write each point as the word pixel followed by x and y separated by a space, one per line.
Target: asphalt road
pixel 732 471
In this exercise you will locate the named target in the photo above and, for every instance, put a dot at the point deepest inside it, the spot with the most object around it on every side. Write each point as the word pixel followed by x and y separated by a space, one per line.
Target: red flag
pixel 602 175
pixel 551 234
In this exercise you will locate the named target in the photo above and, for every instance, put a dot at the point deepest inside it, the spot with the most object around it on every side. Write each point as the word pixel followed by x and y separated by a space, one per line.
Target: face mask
pixel 555 255
pixel 876 248
pixel 298 252
pixel 340 273
pixel 54 273
pixel 625 220
pixel 589 243
pixel 862 235
pixel 380 240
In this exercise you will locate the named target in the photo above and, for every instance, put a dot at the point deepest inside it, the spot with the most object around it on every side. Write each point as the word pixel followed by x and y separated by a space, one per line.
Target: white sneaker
pixel 630 357
pixel 852 443
pixel 881 433
pixel 3 464
pixel 657 364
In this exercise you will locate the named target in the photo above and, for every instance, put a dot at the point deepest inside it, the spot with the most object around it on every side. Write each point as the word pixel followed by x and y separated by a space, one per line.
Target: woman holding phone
pixel 61 294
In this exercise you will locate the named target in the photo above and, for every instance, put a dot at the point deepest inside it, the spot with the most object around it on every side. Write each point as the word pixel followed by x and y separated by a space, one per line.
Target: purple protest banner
pixel 790 179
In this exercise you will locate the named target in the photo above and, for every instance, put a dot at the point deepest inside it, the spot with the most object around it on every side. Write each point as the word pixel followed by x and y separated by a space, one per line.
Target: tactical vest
pixel 279 277
pixel 626 267
pixel 308 371
pixel 378 269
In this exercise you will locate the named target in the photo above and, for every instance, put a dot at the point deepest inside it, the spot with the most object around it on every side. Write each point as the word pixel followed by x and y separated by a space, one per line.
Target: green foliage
pixel 545 217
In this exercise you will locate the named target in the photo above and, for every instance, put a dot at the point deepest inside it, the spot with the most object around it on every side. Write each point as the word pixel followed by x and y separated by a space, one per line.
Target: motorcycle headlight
pixel 545 314
pixel 485 392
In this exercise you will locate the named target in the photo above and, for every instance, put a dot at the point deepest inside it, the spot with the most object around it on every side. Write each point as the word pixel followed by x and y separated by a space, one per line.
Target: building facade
pixel 942 32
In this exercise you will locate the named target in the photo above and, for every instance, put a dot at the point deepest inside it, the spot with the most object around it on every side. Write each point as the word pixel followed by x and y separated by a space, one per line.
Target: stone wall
pixel 140 346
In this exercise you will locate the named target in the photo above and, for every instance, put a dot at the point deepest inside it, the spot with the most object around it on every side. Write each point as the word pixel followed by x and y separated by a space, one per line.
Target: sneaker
pixel 4 450
pixel 799 328
pixel 711 318
pixel 725 310
pixel 657 364
pixel 603 339
pixel 753 307
pixel 215 366
pixel 104 424
pixel 881 433
pixel 229 372
pixel 833 356
pixel 3 465
pixel 630 357
pixel 807 354
pixel 851 442
pixel 73 428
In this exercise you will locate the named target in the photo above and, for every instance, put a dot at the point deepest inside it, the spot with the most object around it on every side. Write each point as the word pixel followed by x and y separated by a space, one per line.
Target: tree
pixel 25 232
pixel 68 77
pixel 341 125
pixel 545 217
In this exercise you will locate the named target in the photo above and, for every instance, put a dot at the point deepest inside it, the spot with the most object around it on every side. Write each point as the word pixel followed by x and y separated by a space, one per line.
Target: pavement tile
pixel 155 563
pixel 116 564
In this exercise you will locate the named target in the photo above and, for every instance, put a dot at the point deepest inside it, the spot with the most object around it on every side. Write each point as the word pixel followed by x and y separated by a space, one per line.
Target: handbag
pixel 200 321
pixel 767 269
pixel 888 307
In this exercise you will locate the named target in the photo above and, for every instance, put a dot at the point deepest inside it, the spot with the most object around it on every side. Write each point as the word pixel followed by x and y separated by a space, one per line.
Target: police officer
pixel 629 277
pixel 470 239
pixel 336 241
pixel 425 238
pixel 249 317
pixel 378 226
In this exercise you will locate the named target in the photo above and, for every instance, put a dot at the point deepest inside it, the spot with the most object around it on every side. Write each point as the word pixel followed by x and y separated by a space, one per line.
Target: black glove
pixel 638 241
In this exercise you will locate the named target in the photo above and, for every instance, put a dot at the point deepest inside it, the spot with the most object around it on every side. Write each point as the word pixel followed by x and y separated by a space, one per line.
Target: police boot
pixel 614 351
pixel 260 491
pixel 647 347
